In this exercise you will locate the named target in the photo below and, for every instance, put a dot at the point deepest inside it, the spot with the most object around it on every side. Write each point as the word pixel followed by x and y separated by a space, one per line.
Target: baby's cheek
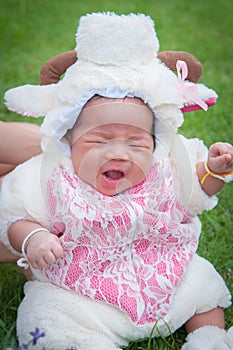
pixel 146 162
pixel 140 172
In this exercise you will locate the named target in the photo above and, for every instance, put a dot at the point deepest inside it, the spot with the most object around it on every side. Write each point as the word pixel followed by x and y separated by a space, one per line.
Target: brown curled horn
pixel 53 69
pixel 169 58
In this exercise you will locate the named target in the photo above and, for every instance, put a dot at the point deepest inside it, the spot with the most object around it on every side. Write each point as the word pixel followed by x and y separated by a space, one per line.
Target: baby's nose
pixel 117 152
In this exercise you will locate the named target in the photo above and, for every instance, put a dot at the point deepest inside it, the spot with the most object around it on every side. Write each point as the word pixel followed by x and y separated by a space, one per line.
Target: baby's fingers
pixel 49 259
pixel 43 261
pixel 37 264
pixel 227 162
pixel 57 251
pixel 221 162
pixel 40 261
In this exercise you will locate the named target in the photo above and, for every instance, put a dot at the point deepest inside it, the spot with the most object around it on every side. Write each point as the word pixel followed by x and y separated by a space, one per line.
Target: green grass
pixel 33 31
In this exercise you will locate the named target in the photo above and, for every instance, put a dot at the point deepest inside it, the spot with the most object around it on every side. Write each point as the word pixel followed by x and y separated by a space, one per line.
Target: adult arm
pixel 18 142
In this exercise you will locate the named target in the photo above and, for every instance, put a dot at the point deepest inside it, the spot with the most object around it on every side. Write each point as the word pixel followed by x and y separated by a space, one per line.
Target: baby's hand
pixel 220 157
pixel 43 249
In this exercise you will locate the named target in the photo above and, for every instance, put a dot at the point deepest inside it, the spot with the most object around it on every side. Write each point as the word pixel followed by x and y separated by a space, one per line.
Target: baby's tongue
pixel 114 174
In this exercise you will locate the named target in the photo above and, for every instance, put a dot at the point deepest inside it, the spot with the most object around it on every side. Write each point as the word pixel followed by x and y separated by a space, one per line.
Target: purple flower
pixel 36 335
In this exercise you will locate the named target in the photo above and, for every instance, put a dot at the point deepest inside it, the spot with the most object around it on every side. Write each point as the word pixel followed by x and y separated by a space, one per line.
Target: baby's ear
pixel 170 58
pixel 31 100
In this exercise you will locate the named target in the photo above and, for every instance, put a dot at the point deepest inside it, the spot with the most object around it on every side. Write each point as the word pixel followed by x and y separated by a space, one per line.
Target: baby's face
pixel 113 156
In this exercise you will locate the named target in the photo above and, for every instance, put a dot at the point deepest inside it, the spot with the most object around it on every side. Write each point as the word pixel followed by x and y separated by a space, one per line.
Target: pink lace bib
pixel 129 250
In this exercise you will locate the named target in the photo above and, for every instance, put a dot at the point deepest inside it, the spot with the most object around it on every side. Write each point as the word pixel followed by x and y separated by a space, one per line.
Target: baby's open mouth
pixel 114 174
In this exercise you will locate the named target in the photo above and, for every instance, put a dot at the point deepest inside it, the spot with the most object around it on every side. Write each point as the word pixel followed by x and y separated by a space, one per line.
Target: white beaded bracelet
pixel 226 177
pixel 23 262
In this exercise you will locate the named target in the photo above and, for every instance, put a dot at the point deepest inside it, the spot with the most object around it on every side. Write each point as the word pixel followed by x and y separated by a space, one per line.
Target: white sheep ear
pixel 31 100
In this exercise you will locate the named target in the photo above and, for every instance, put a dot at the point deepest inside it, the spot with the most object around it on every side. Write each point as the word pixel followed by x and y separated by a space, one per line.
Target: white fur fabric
pixel 210 338
pixel 114 52
pixel 132 39
pixel 69 320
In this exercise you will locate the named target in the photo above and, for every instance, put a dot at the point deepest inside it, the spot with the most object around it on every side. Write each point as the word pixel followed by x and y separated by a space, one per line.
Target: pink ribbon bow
pixel 187 89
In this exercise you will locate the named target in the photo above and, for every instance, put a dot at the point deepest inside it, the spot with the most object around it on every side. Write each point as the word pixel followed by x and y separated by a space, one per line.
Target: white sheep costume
pixel 116 58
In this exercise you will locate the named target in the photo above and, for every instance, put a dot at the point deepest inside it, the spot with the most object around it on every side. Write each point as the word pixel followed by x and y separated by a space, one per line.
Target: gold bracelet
pixel 226 177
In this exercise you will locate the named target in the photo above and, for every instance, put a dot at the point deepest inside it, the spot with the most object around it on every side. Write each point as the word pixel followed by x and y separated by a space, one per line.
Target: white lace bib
pixel 129 250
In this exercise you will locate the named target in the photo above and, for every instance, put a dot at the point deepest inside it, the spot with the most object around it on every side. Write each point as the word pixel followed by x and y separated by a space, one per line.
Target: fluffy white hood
pixel 117 57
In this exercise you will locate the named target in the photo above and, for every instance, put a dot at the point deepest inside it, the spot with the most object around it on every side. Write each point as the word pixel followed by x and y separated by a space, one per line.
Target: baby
pixel 108 222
